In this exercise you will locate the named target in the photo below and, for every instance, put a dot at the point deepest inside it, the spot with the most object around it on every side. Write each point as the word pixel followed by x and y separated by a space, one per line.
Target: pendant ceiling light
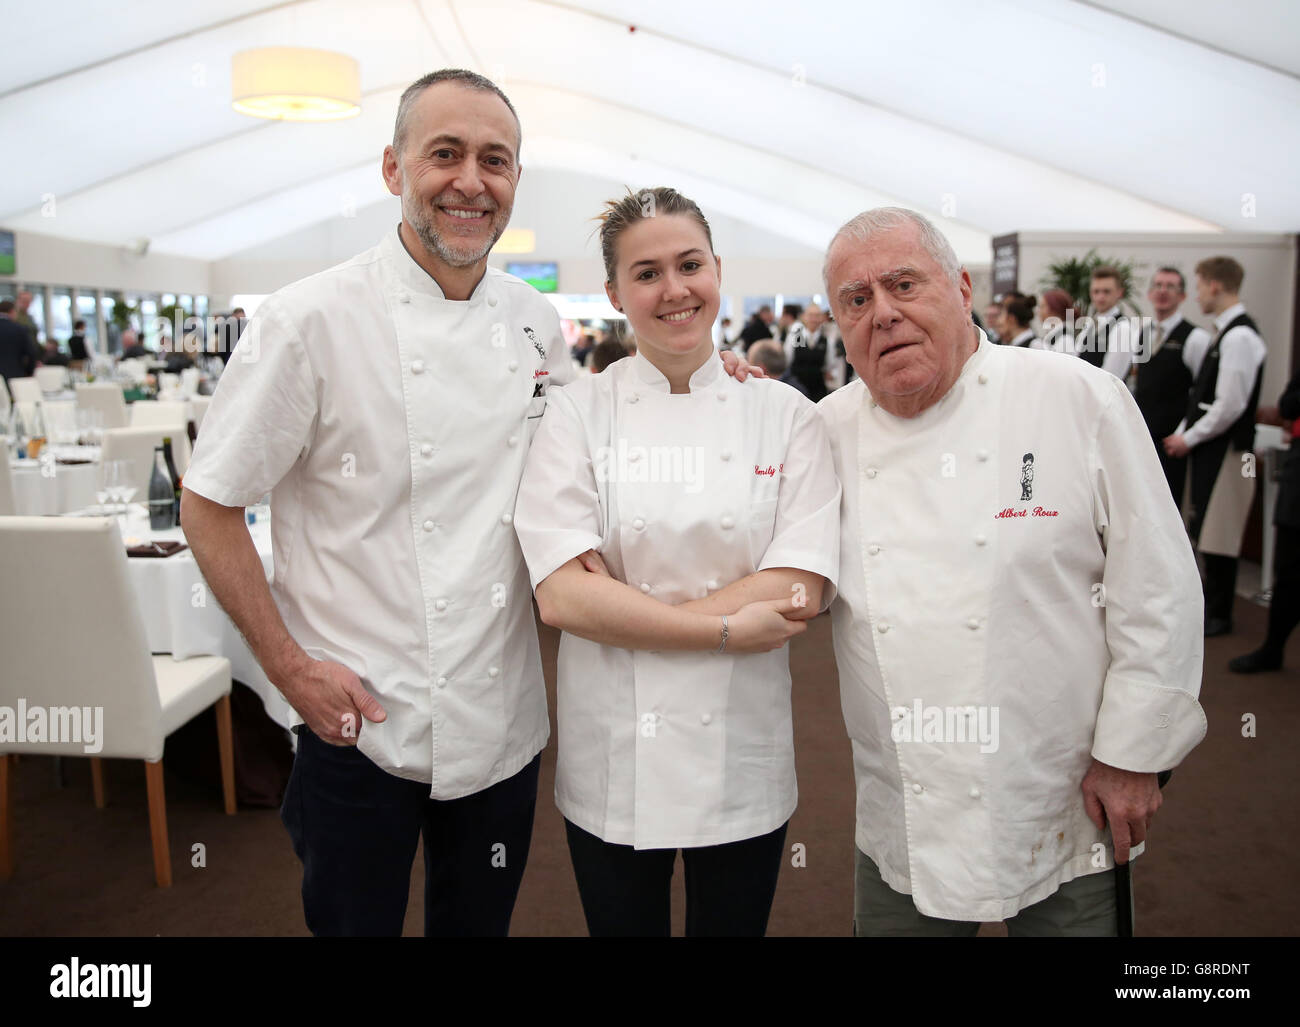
pixel 288 83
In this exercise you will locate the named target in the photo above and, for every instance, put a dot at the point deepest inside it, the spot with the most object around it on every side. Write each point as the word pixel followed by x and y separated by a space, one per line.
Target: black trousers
pixel 1220 586
pixel 1284 609
pixel 355 828
pixel 626 892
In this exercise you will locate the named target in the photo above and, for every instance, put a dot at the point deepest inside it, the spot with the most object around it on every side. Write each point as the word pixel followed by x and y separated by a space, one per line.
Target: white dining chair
pixel 134 369
pixel 190 377
pixel 51 378
pixel 199 409
pixel 78 566
pixel 137 445
pixel 105 397
pixel 25 390
pixel 152 411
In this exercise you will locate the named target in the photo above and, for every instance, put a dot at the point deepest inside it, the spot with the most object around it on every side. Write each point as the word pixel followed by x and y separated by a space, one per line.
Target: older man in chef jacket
pixel 1018 625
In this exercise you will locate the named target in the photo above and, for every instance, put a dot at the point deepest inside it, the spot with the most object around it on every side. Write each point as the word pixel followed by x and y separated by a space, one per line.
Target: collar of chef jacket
pixel 650 377
pixel 409 275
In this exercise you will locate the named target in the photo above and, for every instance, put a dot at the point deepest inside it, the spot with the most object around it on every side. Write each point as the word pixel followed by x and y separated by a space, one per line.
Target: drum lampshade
pixel 295 84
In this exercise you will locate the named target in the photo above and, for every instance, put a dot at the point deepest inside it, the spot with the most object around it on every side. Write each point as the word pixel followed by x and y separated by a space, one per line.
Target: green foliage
pixel 1074 275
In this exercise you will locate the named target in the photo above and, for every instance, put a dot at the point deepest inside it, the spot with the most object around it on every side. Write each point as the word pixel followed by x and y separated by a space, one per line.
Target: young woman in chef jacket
pixel 679 527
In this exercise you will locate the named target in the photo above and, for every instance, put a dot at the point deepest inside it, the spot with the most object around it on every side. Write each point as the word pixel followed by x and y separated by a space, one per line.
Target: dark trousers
pixel 355 828
pixel 1284 609
pixel 626 892
pixel 1175 469
pixel 1220 586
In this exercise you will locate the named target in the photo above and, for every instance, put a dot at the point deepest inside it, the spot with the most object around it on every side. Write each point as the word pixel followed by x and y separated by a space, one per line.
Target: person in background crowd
pixel 53 357
pixel 771 358
pixel 821 329
pixel 1081 703
pixel 132 348
pixel 676 594
pixel 1057 314
pixel 1162 376
pixel 1284 607
pixel 992 319
pixel 788 322
pixel 726 336
pixel 606 353
pixel 78 348
pixel 809 359
pixel 22 315
pixel 583 348
pixel 1218 431
pixel 1106 343
pixel 1018 320
pixel 19 353
pixel 757 328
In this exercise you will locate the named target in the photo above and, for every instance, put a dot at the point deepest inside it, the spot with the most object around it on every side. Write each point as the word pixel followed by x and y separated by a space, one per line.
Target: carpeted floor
pixel 1220 862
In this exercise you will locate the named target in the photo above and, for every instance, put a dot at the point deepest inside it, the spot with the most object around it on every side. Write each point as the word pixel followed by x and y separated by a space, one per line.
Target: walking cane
pixel 1124 879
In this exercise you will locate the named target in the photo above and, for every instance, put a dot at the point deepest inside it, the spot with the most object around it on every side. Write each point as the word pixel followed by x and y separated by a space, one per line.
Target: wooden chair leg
pixel 162 857
pixel 97 780
pixel 6 817
pixel 226 745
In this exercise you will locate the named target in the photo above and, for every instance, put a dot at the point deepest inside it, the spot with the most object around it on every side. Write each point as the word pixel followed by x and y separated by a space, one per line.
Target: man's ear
pixel 966 289
pixel 613 297
pixel 392 171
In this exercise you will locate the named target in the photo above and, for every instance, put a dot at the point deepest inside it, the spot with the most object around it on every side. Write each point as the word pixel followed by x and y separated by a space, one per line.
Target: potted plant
pixel 1074 275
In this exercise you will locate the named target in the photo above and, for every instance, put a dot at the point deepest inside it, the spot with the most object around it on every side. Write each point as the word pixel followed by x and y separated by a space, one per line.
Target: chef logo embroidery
pixel 1027 477
pixel 537 343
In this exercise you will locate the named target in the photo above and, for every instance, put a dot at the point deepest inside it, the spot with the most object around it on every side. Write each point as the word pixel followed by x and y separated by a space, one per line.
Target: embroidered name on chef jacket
pixel 1026 493
pixel 539 377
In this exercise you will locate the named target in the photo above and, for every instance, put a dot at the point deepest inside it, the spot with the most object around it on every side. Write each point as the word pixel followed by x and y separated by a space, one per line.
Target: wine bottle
pixel 174 478
pixel 161 498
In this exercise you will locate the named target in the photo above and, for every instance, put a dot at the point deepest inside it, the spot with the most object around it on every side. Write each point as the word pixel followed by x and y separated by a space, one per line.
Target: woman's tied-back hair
pixel 620 215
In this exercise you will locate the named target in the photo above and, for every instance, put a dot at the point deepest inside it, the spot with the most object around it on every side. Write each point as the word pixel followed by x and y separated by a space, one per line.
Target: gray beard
pixel 422 222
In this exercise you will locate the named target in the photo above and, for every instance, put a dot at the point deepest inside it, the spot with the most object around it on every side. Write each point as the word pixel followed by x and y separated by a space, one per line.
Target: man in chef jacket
pixel 1018 625
pixel 387 405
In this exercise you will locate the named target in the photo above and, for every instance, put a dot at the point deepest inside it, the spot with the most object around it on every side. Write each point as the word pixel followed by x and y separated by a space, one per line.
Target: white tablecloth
pixel 182 617
pixel 55 488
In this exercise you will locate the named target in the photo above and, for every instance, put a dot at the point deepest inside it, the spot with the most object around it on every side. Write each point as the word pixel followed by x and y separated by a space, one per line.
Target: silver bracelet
pixel 725 635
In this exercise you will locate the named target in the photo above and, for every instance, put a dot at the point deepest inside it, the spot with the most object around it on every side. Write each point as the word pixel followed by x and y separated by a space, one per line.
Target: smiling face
pixel 666 282
pixel 906 325
pixel 1166 293
pixel 456 172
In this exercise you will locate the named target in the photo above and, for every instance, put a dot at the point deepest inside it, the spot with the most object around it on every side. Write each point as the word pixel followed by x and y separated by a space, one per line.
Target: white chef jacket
pixel 1077 613
pixel 1241 354
pixel 677 749
pixel 391 427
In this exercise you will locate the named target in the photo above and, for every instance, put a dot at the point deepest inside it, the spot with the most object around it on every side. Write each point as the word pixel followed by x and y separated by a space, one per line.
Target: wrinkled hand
pixel 1176 446
pixel 1124 799
pixel 761 627
pixel 592 562
pixel 331 699
pixel 739 368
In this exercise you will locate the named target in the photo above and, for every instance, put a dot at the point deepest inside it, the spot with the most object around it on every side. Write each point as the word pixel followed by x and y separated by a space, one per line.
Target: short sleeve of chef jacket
pixel 262 416
pixel 557 514
pixel 806 535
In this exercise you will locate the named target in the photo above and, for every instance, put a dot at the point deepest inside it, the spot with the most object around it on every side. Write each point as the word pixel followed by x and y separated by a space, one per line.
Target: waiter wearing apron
pixel 1218 432
pixel 714 509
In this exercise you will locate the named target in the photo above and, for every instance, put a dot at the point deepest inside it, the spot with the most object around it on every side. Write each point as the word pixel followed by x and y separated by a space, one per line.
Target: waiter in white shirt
pixel 1110 341
pixel 1008 726
pixel 1219 432
pixel 1161 374
pixel 387 405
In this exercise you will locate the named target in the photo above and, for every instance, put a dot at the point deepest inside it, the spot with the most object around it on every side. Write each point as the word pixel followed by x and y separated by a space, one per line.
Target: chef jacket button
pixel 493 672
pixel 506 519
pixel 513 365
pixel 917 788
pixel 711 584
pixel 983 454
pixel 981 540
pixel 882 627
pixel 706 718
pixel 403 297
pixel 974 792
pixel 442 682
pixel 870 472
pixel 973 623
pixel 984 379
pixel 727 522
pixel 873 550
pixel 427 525
pixel 722 397
pixel 492 301
pixel 440 605
pixel 639 524
pixel 417 367
pixel 632 398
pixel 726 454
pixel 426 449
pixel 513 440
pixel 645 586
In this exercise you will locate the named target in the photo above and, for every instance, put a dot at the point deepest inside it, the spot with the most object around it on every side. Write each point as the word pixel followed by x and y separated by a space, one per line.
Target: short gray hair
pixel 882 219
pixel 768 354
pixel 468 79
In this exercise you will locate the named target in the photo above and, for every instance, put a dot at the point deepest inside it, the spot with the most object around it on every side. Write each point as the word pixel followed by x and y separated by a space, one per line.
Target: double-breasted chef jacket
pixel 391 427
pixel 1065 596
pixel 681 495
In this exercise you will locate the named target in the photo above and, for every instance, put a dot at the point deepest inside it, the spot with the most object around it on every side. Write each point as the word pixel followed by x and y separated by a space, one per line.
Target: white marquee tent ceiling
pixel 1125 115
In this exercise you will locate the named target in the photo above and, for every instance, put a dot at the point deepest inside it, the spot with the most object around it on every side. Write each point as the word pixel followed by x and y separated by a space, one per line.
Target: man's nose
pixel 884 316
pixel 468 181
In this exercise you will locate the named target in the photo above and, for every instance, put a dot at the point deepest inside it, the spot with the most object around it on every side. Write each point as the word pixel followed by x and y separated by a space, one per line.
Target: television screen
pixel 544 276
pixel 8 262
